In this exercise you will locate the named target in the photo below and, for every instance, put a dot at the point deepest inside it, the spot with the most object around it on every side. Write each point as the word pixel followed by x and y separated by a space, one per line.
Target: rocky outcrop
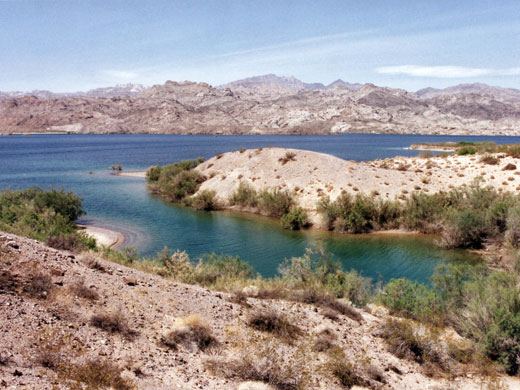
pixel 264 105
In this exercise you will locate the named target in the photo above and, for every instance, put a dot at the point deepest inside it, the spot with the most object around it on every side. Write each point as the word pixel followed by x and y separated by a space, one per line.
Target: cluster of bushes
pixel 465 217
pixel 481 305
pixel 465 148
pixel 177 182
pixel 45 215
pixel 274 203
pixel 358 214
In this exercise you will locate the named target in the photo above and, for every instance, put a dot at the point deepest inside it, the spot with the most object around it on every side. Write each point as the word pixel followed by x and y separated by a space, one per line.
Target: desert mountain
pixel 343 84
pixel 498 93
pixel 116 90
pixel 265 104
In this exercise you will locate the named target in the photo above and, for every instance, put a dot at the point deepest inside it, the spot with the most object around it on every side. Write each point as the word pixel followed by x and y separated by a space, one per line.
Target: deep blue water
pixel 80 163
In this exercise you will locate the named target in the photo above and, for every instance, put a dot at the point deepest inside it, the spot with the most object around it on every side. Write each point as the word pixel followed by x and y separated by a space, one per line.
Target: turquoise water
pixel 80 163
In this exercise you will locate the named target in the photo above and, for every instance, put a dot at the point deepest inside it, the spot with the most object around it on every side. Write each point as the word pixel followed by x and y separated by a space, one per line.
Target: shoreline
pixel 110 238
pixel 140 174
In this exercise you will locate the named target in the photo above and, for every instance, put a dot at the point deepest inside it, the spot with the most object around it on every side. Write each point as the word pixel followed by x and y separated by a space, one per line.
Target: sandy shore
pixel 132 174
pixel 107 237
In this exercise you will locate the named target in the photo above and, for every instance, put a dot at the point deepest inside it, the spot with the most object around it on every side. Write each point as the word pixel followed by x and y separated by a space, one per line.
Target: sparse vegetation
pixel 113 322
pixel 274 322
pixel 192 333
pixel 289 156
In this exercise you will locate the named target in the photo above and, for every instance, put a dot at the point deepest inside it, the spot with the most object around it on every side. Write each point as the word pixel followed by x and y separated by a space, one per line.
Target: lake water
pixel 80 163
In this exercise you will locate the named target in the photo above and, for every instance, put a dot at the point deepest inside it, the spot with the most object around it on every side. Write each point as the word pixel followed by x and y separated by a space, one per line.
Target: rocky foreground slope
pixel 69 320
pixel 269 105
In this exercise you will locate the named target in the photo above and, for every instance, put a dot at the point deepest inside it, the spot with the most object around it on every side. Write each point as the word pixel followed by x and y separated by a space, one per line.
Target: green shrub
pixel 275 203
pixel 513 226
pixel 41 214
pixel 245 196
pixel 204 200
pixel 295 219
pixel 212 268
pixel 411 299
pixel 465 150
pixel 153 173
pixel 175 181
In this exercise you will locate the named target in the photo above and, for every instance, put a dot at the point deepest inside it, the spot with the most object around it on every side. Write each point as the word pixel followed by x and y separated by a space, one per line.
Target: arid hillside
pixel 69 321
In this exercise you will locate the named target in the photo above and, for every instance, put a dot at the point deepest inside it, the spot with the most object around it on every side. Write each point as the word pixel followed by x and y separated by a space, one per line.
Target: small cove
pixel 122 203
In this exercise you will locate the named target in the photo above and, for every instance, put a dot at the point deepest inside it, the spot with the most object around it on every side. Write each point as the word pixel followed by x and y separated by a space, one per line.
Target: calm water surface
pixel 80 163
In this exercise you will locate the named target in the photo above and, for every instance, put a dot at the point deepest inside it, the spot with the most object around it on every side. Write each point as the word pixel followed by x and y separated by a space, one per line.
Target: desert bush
pixel 341 368
pixel 328 211
pixel 96 374
pixel 273 322
pixel 38 285
pixel 153 173
pixel 289 156
pixel 176 181
pixel 39 214
pixel 295 219
pixel 512 234
pixel 275 203
pixel 489 159
pixel 509 167
pixel 406 342
pixel 113 322
pixel 81 290
pixel 262 359
pixel 75 242
pixel 245 196
pixel 204 200
pixel 465 150
pixel 213 268
pixel 325 340
pixel 192 333
pixel 411 299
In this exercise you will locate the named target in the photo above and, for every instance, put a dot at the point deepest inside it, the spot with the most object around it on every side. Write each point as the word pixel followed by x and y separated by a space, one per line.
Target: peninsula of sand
pixel 309 176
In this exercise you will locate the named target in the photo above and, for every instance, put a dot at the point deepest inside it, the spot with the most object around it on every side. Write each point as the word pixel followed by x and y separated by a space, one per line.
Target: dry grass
pixel 289 156
pixel 263 358
pixel 39 285
pixel 113 322
pixel 275 323
pixel 96 374
pixel 327 301
pixel 345 372
pixel 192 333
pixel 325 340
pixel 79 289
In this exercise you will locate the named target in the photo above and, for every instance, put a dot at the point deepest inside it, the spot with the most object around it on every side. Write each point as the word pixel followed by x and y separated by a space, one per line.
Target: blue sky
pixel 73 45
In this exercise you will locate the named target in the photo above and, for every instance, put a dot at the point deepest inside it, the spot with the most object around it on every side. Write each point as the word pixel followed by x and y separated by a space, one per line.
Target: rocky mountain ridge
pixel 267 105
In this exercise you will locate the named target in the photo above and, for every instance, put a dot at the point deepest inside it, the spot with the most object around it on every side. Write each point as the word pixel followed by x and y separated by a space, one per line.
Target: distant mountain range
pixel 265 104
pixel 116 90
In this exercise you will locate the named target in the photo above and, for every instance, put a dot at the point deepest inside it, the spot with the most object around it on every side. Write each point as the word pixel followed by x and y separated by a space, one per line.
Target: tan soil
pixel 151 304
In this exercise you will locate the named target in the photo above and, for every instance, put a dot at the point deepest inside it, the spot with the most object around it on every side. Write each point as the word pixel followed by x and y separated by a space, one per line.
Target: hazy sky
pixel 72 45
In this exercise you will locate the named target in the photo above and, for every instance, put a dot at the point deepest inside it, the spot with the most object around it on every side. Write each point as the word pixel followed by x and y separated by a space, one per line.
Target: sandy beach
pixel 107 237
pixel 132 174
